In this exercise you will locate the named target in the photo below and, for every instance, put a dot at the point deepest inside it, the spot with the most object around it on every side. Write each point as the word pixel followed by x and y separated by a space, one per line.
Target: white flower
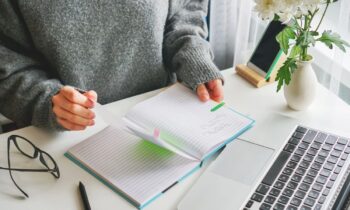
pixel 311 5
pixel 266 8
pixel 302 11
pixel 285 17
pixel 287 9
pixel 289 4
pixel 312 2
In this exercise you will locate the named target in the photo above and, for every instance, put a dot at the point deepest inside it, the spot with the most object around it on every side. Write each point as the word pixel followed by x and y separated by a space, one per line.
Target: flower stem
pixel 303 55
pixel 312 16
pixel 324 13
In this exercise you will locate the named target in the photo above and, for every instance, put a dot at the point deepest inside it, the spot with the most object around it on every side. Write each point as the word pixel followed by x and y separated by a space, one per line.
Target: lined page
pixel 186 122
pixel 136 167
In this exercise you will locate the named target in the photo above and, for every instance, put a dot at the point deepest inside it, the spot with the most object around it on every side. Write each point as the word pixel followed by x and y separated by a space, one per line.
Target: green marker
pixel 217 106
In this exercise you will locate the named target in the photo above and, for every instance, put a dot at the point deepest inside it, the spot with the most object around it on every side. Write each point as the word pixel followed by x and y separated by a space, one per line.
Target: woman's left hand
pixel 212 89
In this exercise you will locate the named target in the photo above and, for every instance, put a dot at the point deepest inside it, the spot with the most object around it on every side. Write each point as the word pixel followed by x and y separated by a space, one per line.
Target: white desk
pixel 328 112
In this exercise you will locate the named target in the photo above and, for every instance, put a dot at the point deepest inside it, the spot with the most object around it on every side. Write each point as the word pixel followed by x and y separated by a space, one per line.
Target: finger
pixel 76 109
pixel 72 118
pixel 92 95
pixel 202 93
pixel 70 126
pixel 74 96
pixel 213 83
pixel 216 90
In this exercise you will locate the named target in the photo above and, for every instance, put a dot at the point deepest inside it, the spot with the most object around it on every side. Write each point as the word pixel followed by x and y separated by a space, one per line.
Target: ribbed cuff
pixel 197 68
pixel 53 124
pixel 44 117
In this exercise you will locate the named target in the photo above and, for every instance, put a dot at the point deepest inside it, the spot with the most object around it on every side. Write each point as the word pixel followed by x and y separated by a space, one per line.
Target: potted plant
pixel 301 33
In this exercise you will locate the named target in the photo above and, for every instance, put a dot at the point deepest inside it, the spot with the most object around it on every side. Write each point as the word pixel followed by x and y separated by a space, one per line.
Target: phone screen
pixel 268 48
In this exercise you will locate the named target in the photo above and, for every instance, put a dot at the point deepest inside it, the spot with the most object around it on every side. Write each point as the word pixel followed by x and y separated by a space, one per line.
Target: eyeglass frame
pixel 37 153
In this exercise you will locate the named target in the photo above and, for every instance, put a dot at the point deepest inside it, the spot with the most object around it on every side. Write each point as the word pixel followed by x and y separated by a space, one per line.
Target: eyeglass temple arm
pixel 27 170
pixel 10 170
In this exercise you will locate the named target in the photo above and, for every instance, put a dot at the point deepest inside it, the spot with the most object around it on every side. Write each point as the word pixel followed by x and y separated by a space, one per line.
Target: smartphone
pixel 268 51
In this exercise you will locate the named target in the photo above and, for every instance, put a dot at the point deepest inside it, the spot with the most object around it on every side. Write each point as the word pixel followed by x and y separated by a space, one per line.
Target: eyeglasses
pixel 28 149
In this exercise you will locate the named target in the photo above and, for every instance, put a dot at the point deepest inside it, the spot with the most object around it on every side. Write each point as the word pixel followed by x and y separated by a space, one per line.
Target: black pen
pixel 84 196
pixel 80 90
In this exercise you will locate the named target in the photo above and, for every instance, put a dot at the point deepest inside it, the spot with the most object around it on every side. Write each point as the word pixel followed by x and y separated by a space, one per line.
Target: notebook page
pixel 136 167
pixel 186 122
pixel 144 134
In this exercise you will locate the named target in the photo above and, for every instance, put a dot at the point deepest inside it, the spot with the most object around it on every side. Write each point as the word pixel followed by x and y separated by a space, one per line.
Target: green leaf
pixel 329 38
pixel 284 74
pixel 306 38
pixel 314 33
pixel 283 38
pixel 296 50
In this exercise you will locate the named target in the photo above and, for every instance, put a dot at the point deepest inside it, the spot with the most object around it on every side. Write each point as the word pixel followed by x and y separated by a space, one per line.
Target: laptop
pixel 289 167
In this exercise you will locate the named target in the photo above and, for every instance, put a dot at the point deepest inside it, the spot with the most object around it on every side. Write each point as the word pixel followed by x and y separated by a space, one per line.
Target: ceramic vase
pixel 301 91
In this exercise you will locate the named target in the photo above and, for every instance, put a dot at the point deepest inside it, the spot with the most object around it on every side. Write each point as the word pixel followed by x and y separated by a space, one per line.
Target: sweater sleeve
pixel 26 87
pixel 186 51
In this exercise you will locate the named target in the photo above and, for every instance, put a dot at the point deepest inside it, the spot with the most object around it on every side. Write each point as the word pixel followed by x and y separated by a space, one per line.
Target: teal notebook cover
pixel 115 189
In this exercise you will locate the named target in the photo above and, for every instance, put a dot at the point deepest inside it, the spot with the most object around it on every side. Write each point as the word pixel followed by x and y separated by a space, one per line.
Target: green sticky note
pixel 217 106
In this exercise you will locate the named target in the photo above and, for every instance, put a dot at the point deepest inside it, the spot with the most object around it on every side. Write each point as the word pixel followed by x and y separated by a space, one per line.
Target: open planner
pixel 158 143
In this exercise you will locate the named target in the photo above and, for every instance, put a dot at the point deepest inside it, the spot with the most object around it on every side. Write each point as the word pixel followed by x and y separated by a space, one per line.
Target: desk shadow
pixel 13 196
pixel 283 108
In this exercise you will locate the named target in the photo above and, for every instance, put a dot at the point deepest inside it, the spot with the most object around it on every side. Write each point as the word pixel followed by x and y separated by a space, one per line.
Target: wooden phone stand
pixel 255 78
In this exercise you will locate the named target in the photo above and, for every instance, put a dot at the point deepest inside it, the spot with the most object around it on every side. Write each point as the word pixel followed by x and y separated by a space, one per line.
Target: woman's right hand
pixel 73 109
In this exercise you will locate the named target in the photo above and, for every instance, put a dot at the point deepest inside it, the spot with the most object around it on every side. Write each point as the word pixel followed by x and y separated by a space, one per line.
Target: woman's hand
pixel 73 109
pixel 212 89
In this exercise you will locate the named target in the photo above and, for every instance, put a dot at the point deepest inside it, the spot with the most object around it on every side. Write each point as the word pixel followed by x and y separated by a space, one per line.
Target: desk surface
pixel 328 113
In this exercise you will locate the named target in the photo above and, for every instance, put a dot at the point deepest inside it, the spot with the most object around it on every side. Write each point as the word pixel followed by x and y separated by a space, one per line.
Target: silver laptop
pixel 287 166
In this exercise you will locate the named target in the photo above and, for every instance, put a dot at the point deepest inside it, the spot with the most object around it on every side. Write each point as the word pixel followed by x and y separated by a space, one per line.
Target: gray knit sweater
pixel 118 48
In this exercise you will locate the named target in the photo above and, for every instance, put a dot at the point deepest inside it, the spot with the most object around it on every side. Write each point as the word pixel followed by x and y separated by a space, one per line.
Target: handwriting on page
pixel 215 125
pixel 190 123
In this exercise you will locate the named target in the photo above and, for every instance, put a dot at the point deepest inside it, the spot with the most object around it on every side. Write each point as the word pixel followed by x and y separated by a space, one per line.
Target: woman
pixel 114 48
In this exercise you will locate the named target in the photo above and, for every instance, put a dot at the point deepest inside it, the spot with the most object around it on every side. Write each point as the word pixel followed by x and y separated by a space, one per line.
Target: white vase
pixel 301 91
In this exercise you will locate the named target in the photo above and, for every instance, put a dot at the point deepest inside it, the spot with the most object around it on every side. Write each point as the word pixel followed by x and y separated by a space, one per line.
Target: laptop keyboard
pixel 304 172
